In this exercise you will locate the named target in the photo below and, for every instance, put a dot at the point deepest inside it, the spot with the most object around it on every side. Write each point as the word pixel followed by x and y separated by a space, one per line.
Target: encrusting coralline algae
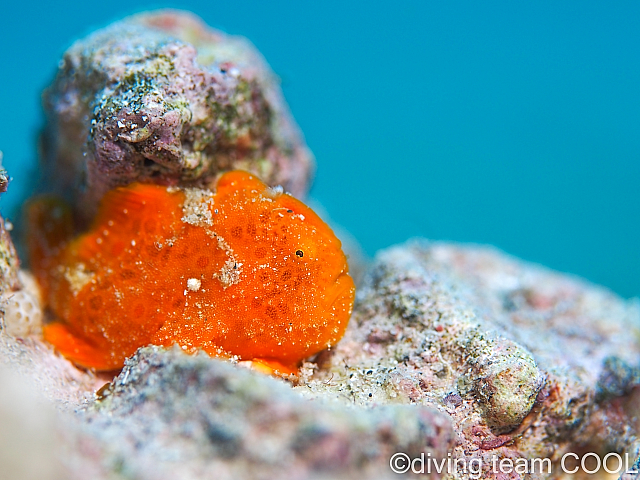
pixel 458 352
pixel 163 98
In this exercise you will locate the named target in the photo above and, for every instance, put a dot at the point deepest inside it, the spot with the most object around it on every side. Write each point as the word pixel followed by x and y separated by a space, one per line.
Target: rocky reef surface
pixel 527 362
pixel 163 98
pixel 454 353
pixel 458 351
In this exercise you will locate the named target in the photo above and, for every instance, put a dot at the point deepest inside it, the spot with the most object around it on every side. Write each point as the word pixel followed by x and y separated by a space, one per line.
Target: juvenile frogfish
pixel 245 271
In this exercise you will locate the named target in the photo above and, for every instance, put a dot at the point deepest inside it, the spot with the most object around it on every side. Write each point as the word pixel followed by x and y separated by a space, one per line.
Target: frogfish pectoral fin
pixel 76 349
pixel 270 366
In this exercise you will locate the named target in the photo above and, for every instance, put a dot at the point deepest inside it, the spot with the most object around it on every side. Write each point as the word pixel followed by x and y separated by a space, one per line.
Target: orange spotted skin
pixel 246 271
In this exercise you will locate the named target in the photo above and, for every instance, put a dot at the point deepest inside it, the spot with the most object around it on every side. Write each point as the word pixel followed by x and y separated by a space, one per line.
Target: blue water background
pixel 510 123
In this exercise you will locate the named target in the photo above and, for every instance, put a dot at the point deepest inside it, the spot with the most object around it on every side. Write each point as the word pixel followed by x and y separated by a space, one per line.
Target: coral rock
pixel 160 97
pixel 20 310
pixel 4 177
pixel 179 416
pixel 9 263
pixel 452 350
pixel 528 363
pixel 507 384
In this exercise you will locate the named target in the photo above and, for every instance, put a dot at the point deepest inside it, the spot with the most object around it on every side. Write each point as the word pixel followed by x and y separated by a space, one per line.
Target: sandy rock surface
pixel 527 362
pixel 458 351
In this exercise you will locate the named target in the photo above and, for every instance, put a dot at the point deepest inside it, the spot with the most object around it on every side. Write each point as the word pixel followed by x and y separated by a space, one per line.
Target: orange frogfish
pixel 246 271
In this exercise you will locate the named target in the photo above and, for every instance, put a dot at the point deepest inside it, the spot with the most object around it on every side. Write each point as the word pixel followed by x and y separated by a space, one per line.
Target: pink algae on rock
pixel 162 98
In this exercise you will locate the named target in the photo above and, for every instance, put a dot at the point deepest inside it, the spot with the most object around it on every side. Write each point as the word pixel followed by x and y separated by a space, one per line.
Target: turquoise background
pixel 510 123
